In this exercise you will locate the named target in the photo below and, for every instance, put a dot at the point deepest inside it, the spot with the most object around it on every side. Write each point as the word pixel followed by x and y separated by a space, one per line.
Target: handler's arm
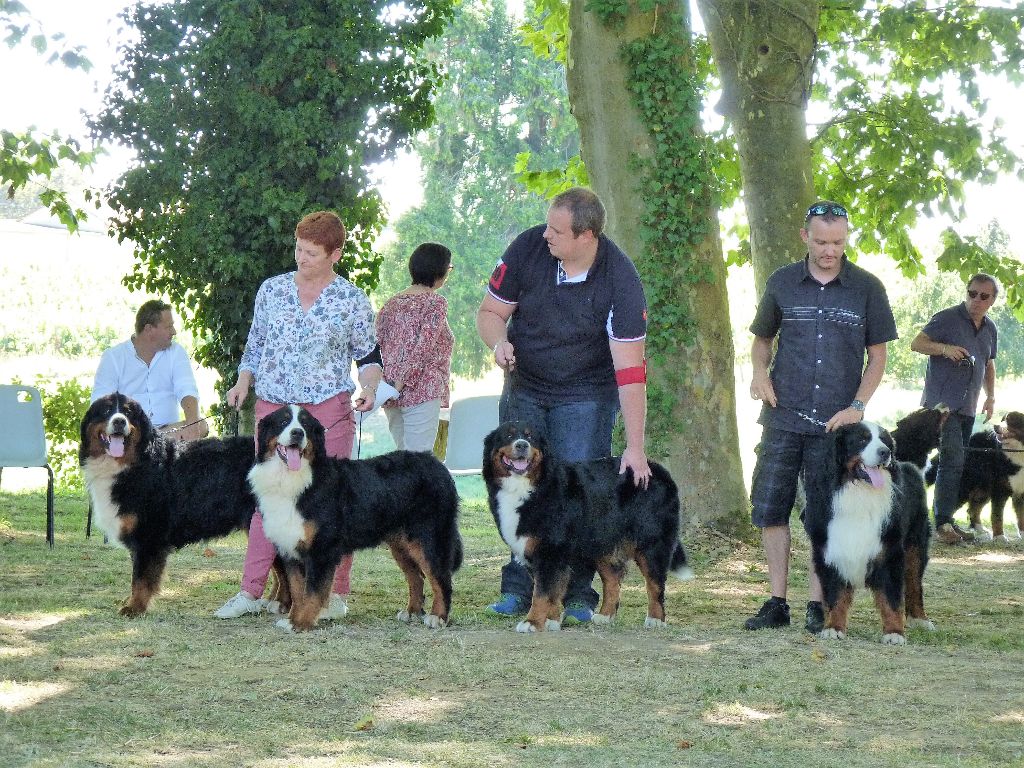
pixel 491 324
pixel 629 356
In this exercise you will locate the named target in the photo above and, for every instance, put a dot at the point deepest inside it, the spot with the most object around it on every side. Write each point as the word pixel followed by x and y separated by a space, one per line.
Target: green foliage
pixel 909 126
pixel 496 103
pixel 30 157
pixel 245 116
pixel 676 186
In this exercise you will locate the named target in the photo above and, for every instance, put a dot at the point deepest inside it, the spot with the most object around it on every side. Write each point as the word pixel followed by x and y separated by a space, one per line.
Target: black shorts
pixel 781 457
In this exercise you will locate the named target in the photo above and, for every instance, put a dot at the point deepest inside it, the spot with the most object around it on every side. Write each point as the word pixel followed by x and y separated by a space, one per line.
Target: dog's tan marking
pixel 145 586
pixel 309 529
pixel 892 618
pixel 128 523
pixel 400 550
pixel 838 615
pixel 913 590
pixel 611 570
pixel 655 592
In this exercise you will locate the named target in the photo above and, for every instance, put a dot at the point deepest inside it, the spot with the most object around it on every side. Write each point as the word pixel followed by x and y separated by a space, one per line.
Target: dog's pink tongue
pixel 520 465
pixel 876 475
pixel 293 456
pixel 116 447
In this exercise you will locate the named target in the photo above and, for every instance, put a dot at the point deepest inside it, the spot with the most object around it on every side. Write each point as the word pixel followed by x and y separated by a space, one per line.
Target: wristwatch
pixel 857 405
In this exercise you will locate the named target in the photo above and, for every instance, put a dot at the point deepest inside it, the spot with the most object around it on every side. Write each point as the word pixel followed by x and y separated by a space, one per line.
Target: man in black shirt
pixel 566 317
pixel 827 313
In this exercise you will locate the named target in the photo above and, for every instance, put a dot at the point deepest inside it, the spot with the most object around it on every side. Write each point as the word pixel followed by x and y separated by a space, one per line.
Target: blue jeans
pixel 575 432
pixel 955 434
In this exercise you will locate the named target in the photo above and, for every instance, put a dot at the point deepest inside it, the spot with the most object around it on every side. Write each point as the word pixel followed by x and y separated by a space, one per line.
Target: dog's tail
pixel 679 565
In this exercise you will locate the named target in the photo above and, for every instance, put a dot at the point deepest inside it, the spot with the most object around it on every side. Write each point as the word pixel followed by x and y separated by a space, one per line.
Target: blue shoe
pixel 579 611
pixel 509 605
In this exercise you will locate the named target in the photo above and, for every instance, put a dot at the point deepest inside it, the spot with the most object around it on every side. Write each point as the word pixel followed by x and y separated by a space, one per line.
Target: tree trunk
pixel 691 388
pixel 764 52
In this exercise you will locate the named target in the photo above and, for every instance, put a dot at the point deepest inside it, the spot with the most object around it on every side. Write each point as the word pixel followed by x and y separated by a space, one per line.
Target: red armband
pixel 635 375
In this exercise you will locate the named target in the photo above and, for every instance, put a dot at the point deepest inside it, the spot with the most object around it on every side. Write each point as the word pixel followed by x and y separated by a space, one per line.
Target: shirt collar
pixel 842 277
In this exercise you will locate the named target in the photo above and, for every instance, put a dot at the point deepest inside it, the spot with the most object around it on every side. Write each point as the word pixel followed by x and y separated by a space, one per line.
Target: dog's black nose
pixel 884 453
pixel 520 445
pixel 118 423
pixel 297 435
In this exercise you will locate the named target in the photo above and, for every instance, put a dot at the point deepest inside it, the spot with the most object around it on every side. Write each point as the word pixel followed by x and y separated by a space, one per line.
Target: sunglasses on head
pixel 821 209
pixel 975 294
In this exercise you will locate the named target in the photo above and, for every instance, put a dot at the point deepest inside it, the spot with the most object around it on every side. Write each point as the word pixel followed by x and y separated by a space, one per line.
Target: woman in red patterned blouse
pixel 416 344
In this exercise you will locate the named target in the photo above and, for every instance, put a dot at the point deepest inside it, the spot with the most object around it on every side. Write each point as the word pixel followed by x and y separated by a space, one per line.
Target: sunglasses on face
pixel 976 294
pixel 821 209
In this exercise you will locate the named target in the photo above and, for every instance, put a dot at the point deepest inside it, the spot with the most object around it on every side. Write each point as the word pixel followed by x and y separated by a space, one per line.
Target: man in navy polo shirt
pixel 828 314
pixel 566 317
pixel 961 346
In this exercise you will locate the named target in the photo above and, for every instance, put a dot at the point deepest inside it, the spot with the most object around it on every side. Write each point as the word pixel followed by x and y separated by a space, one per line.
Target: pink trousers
pixel 336 415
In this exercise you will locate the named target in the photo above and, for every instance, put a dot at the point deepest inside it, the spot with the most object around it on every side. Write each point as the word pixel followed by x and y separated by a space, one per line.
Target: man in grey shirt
pixel 961 343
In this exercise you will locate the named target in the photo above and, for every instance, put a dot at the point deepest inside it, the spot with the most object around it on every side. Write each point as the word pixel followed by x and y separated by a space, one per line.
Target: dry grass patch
pixel 82 686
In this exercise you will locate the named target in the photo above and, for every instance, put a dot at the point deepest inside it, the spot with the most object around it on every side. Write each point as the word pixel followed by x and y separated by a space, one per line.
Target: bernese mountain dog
pixel 917 434
pixel 316 509
pixel 153 496
pixel 993 474
pixel 874 531
pixel 559 516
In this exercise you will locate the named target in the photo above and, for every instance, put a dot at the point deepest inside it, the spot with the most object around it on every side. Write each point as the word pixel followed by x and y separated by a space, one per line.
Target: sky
pixel 53 97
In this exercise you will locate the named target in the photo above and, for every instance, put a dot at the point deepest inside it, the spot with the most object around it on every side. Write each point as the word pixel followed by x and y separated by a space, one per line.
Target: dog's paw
pixel 285 624
pixel 525 627
pixel 405 617
pixel 981 534
pixel 894 638
pixel 927 624
pixel 273 606
pixel 434 622
pixel 600 618
pixel 552 626
pixel 131 611
pixel 652 623
pixel 830 633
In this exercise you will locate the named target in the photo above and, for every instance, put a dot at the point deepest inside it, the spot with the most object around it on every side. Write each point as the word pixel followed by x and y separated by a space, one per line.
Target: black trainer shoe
pixel 774 613
pixel 815 617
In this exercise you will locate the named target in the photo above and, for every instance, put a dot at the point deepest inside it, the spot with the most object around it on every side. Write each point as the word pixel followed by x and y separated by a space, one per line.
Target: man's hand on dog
pixel 636 459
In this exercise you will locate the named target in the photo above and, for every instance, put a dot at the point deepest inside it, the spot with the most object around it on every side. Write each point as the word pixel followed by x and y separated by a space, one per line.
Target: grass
pixel 81 686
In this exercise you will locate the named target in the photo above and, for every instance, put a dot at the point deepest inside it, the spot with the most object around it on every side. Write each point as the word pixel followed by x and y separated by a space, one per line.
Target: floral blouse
pixel 416 344
pixel 306 357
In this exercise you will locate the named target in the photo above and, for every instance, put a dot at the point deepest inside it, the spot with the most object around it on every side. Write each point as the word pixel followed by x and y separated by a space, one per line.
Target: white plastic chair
pixel 23 437
pixel 469 422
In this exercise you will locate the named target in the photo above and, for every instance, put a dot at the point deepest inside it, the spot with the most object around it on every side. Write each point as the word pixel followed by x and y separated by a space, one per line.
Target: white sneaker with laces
pixel 240 605
pixel 336 608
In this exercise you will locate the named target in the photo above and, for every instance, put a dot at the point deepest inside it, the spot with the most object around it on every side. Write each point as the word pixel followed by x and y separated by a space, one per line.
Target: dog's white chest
pixel 855 532
pixel 99 479
pixel 278 489
pixel 514 491
pixel 1017 478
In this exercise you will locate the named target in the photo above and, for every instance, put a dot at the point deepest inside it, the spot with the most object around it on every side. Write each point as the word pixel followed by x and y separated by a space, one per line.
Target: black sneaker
pixel 815 617
pixel 774 613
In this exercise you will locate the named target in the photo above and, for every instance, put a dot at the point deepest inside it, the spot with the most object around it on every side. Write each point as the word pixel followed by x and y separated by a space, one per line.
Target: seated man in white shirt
pixel 154 370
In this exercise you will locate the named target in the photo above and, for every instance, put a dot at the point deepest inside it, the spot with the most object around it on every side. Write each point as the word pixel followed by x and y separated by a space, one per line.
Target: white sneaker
pixel 336 608
pixel 240 605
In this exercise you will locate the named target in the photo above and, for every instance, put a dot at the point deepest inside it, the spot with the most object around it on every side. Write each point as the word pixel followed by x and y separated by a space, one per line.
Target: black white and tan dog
pixel 992 475
pixel 560 516
pixel 316 509
pixel 154 496
pixel 917 434
pixel 874 531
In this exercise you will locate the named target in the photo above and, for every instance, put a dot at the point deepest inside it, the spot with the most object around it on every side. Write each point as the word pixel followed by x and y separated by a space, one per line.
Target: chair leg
pixel 49 508
pixel 88 519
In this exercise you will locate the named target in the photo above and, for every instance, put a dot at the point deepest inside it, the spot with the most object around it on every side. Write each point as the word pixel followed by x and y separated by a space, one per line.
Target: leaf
pixel 364 724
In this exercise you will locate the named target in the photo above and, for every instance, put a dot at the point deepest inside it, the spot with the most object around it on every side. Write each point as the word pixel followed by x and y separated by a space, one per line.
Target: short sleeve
pixel 628 318
pixel 505 283
pixel 768 318
pixel 881 325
